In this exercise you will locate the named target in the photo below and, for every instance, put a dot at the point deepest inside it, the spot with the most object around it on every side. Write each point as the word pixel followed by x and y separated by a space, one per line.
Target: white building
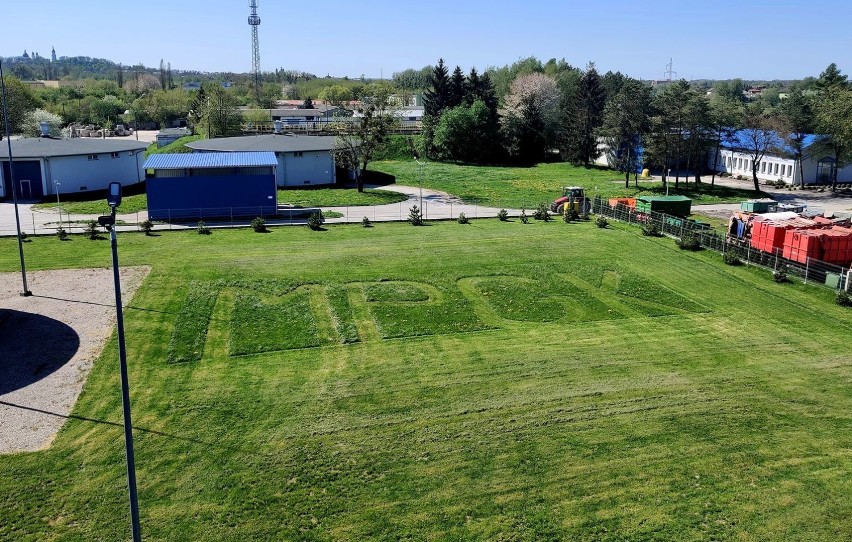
pixel 302 160
pixel 817 168
pixel 45 165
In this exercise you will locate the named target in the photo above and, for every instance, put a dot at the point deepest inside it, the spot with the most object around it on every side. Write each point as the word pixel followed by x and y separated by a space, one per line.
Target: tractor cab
pixel 574 197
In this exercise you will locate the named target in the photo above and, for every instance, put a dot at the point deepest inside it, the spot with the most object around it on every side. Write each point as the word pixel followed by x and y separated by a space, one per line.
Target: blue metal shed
pixel 211 185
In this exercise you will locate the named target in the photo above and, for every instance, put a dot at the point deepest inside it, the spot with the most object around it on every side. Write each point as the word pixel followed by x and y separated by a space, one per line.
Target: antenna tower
pixel 669 73
pixel 254 22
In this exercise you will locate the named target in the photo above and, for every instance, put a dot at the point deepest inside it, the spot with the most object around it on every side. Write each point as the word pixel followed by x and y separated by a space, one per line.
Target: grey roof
pixel 46 147
pixel 173 132
pixel 204 160
pixel 267 142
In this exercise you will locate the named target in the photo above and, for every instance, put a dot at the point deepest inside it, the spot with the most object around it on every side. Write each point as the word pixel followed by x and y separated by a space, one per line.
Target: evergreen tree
pixel 626 120
pixel 456 92
pixel 831 78
pixel 488 95
pixel 584 115
pixel 436 97
pixel 308 103
pixel 797 118
pixel 473 87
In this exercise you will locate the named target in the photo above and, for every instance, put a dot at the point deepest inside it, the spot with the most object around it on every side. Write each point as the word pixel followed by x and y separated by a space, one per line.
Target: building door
pixel 825 171
pixel 27 179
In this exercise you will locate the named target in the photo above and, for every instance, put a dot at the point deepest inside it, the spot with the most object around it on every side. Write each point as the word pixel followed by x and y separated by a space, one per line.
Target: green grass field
pixel 495 381
pixel 98 206
pixel 338 197
pixel 517 187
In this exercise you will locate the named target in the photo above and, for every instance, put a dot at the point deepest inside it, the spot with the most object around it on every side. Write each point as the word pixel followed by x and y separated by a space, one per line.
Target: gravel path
pixel 48 343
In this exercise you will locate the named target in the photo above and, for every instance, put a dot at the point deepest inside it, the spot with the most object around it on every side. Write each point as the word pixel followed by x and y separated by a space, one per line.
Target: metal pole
pixel 57 184
pixel 25 292
pixel 125 392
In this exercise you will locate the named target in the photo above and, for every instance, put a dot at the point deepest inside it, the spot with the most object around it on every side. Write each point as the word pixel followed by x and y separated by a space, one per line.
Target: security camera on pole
pixel 108 221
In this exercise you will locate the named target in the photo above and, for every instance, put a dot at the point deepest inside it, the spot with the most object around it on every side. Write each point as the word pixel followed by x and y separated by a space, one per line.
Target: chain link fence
pixel 810 271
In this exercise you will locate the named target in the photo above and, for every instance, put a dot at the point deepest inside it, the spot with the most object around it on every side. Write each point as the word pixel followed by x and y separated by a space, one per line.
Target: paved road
pixel 436 206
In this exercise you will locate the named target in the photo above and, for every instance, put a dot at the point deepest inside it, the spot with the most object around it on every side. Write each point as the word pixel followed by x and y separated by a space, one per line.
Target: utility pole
pixel 25 292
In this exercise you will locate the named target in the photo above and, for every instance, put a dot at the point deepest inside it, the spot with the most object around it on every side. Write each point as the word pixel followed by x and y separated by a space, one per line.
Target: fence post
pixel 33 217
pixel 807 268
pixel 776 259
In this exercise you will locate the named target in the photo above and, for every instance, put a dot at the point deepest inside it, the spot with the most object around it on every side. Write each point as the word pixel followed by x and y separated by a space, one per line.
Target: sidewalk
pixel 436 206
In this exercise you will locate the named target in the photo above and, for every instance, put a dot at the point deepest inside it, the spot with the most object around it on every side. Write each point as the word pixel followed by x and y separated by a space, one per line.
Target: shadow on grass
pixel 113 424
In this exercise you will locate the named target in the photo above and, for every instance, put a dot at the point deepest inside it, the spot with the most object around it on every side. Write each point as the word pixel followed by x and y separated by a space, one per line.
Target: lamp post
pixel 57 184
pixel 108 221
pixel 420 166
pixel 25 291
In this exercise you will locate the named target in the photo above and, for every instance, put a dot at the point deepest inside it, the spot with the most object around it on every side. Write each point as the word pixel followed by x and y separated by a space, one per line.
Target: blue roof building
pixel 210 186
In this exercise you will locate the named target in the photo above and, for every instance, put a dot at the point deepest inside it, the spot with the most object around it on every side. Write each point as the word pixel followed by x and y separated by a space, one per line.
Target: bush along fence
pixel 47 223
pixel 810 270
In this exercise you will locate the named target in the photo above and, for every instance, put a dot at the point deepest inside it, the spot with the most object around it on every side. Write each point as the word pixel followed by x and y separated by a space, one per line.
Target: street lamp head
pixel 114 194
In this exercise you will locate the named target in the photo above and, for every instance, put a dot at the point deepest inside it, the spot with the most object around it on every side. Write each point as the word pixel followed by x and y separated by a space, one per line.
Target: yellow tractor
pixel 575 198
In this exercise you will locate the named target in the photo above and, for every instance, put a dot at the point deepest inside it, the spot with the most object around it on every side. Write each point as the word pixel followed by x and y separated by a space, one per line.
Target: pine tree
pixel 457 89
pixel 436 97
pixel 473 88
pixel 585 117
pixel 831 78
pixel 308 103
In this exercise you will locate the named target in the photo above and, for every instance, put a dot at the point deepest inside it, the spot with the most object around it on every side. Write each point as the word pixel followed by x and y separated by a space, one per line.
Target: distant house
pixel 302 160
pixel 77 165
pixel 817 167
pixel 408 114
pixel 170 135
pixel 211 185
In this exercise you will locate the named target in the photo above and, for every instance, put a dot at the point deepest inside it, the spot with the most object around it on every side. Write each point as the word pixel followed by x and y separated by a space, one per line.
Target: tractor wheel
pixel 560 208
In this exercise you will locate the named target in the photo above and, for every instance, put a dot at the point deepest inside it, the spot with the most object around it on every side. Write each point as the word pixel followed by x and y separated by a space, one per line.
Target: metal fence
pixel 48 222
pixel 811 271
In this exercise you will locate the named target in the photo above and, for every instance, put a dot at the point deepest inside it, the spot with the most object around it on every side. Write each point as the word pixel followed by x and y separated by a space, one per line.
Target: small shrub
pixel 585 216
pixel 202 228
pixel 91 230
pixel 688 241
pixel 601 222
pixel 61 233
pixel 258 225
pixel 731 258
pixel 649 229
pixel 780 275
pixel 415 217
pixel 365 222
pixel 463 219
pixel 843 299
pixel 524 218
pixel 542 212
pixel 503 215
pixel 146 226
pixel 315 221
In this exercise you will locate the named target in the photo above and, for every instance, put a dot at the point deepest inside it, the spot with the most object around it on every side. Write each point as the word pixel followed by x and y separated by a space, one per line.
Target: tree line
pixel 556 111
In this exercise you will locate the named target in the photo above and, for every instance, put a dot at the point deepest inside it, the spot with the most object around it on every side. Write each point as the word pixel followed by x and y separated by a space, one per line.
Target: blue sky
pixel 780 39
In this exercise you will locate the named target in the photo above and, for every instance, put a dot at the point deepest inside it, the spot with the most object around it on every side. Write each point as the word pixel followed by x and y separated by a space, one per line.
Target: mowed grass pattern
pixel 725 419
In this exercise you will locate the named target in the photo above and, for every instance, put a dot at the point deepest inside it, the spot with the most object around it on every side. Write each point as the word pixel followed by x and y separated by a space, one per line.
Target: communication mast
pixel 254 22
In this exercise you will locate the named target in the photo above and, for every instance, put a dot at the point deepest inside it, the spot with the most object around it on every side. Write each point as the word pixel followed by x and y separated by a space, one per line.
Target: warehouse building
pixel 302 160
pixel 211 185
pixel 778 165
pixel 45 166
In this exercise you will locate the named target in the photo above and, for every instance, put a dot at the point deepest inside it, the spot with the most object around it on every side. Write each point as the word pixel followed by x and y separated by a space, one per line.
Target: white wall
pixel 312 168
pixel 771 168
pixel 79 174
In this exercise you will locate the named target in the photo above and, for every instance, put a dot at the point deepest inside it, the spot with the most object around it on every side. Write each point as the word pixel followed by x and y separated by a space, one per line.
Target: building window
pixel 763 167
pixel 789 171
pixel 776 169
pixel 298 154
pixel 114 154
pixel 93 157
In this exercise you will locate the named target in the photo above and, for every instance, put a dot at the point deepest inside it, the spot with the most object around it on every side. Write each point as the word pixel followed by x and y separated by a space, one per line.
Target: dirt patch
pixel 48 343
